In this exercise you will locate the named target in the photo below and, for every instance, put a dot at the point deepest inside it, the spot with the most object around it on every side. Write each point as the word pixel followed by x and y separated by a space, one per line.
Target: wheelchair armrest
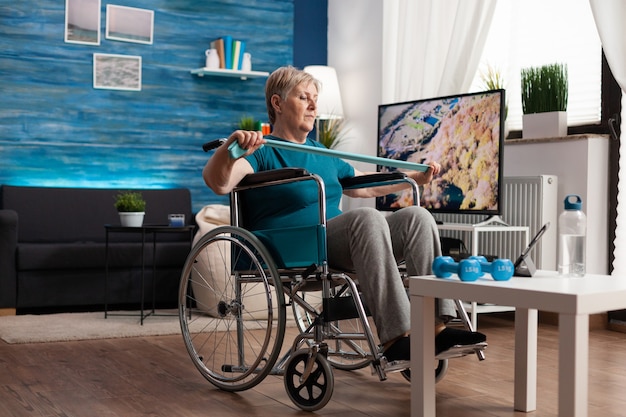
pixel 373 180
pixel 273 175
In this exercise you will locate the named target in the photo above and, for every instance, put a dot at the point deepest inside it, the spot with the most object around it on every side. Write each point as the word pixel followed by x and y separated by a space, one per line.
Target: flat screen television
pixel 464 133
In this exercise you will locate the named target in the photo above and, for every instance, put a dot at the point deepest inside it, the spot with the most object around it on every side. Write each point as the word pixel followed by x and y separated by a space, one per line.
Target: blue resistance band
pixel 236 151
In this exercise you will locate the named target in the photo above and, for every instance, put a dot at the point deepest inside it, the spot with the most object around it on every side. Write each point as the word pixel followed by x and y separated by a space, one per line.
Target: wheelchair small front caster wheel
pixel 315 391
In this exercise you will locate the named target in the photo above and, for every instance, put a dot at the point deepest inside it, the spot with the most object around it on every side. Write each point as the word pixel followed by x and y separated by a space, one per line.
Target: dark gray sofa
pixel 52 249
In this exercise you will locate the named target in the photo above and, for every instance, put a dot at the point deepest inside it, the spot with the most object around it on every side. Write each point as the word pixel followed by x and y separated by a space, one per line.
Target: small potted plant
pixel 544 101
pixel 131 207
pixel 248 123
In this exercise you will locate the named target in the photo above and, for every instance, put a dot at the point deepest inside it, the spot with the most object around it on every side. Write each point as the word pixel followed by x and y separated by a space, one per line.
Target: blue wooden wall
pixel 57 130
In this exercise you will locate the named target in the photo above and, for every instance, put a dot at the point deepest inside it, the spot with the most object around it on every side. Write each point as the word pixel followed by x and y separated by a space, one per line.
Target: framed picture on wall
pixel 129 24
pixel 82 21
pixel 117 72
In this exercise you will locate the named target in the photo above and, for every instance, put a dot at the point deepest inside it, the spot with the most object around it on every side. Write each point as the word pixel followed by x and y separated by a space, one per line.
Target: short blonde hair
pixel 281 82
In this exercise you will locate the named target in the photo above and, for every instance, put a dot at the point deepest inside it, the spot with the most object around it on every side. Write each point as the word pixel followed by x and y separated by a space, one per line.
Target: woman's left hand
pixel 427 176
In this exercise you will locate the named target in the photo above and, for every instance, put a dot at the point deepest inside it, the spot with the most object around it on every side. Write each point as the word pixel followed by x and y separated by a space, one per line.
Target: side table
pixel 144 230
pixel 574 299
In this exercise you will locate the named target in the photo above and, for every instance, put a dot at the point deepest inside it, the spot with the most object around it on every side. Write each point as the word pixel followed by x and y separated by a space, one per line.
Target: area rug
pixel 85 326
pixel 64 327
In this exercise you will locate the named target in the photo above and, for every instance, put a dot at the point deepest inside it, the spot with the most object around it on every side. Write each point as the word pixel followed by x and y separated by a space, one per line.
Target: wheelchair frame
pixel 236 285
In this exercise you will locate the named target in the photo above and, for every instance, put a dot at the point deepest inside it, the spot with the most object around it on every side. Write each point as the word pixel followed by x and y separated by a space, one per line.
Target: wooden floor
pixel 153 376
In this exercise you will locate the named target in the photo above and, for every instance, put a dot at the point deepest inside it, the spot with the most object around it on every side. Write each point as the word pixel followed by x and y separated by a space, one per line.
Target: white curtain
pixel 609 16
pixel 432 48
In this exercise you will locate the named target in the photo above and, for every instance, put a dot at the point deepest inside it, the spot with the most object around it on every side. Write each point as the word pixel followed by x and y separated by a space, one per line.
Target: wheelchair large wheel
pixel 316 390
pixel 231 309
pixel 344 354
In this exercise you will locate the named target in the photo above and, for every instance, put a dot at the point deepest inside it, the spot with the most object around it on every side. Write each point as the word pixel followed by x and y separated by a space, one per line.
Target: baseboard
pixel 596 321
pixel 7 311
pixel 617 326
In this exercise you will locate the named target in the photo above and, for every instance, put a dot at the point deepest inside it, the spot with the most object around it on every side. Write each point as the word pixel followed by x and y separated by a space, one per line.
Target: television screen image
pixel 464 133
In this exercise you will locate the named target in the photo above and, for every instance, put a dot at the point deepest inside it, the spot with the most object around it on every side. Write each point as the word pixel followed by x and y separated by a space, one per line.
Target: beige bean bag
pixel 211 281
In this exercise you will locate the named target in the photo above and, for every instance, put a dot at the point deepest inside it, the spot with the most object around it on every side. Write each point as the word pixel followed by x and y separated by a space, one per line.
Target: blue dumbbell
pixel 467 269
pixel 500 269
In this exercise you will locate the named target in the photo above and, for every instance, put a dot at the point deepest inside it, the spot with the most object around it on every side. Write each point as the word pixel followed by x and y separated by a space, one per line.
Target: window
pixel 537 32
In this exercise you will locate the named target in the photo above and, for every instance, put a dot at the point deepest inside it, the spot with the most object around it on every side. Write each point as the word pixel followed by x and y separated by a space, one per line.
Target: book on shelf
pixel 238 49
pixel 218 45
pixel 230 51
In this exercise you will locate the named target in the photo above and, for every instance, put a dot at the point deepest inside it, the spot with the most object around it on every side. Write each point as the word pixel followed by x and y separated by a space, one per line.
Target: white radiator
pixel 526 201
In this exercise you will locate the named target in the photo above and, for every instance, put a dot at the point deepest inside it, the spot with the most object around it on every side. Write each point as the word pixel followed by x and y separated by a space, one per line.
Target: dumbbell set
pixel 472 268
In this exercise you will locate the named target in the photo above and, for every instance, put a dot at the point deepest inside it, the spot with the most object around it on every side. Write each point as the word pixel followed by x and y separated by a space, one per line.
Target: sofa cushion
pixel 89 255
pixel 51 291
pixel 69 215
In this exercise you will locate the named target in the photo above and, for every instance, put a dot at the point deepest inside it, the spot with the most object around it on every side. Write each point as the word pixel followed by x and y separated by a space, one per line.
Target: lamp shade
pixel 329 98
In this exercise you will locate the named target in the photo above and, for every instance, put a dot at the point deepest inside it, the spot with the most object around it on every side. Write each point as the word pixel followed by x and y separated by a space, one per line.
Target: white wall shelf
pixel 220 72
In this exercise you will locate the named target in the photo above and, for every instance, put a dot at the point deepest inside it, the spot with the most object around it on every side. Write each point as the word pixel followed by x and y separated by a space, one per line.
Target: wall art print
pixel 82 21
pixel 129 24
pixel 117 72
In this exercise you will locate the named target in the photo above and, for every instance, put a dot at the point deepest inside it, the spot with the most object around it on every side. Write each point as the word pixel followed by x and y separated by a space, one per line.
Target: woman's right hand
pixel 222 172
pixel 248 140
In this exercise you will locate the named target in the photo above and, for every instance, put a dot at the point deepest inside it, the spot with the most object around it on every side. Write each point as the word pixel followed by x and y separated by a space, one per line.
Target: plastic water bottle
pixel 572 236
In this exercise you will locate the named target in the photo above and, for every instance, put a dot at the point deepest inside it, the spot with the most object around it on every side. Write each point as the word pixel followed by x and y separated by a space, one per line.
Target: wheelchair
pixel 237 283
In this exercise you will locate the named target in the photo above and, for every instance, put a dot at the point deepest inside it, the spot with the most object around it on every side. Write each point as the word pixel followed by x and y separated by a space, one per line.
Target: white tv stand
pixel 492 224
pixel 492 221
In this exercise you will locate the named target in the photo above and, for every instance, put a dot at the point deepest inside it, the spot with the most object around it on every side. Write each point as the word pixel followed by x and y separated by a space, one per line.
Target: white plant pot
pixel 544 125
pixel 131 219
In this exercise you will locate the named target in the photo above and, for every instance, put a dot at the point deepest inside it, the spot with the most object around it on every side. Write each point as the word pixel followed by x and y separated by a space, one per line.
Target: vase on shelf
pixel 212 59
pixel 246 65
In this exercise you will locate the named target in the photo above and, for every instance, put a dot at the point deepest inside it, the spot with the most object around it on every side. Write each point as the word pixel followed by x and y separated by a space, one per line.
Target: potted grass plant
pixel 544 101
pixel 492 79
pixel 331 132
pixel 131 207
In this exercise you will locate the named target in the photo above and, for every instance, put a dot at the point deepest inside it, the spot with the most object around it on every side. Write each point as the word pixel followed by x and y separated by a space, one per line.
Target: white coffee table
pixel 572 298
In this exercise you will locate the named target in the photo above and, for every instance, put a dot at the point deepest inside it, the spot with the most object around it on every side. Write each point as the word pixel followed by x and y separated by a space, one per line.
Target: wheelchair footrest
pixel 458 351
pixel 397 366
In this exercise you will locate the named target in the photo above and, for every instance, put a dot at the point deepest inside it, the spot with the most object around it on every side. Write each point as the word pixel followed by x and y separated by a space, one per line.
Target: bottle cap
pixel 577 204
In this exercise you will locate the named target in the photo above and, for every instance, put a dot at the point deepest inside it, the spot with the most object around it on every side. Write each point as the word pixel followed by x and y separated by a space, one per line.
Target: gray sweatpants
pixel 371 244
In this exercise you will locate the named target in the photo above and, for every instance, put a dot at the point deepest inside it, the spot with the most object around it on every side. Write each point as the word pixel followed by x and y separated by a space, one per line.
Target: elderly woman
pixel 363 239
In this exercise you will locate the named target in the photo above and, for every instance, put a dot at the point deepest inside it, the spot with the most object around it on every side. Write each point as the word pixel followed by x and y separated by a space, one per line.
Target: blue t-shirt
pixel 295 204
